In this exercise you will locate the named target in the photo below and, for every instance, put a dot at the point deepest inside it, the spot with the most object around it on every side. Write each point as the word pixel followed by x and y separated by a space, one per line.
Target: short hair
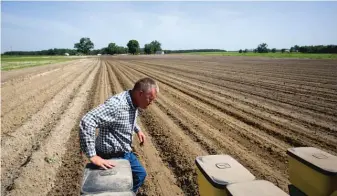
pixel 146 84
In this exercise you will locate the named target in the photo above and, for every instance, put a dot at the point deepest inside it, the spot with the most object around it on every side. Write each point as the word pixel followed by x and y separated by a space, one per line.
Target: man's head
pixel 144 92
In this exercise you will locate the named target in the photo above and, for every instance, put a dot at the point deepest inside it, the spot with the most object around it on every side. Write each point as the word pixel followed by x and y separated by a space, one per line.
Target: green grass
pixel 273 55
pixel 19 62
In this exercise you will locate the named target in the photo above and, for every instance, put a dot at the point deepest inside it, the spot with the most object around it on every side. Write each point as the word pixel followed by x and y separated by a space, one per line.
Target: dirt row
pixel 285 129
pixel 256 89
pixel 14 76
pixel 160 180
pixel 211 134
pixel 22 103
pixel 69 177
pixel 258 72
pixel 260 91
pixel 286 86
pixel 253 109
pixel 270 116
pixel 32 151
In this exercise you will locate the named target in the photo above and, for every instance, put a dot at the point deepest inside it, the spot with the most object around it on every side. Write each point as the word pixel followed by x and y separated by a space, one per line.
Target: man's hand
pixel 102 162
pixel 141 137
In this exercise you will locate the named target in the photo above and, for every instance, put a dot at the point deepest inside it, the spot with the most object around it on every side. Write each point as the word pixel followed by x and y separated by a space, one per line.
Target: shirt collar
pixel 129 99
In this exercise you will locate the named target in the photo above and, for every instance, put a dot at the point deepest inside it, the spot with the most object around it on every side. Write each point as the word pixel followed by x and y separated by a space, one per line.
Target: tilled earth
pixel 253 109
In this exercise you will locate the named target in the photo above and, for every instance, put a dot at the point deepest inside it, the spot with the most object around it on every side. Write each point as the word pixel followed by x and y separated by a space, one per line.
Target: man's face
pixel 146 98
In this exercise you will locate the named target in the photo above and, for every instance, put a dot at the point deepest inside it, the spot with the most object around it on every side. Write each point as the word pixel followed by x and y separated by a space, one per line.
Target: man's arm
pixel 136 129
pixel 88 127
pixel 104 113
pixel 140 134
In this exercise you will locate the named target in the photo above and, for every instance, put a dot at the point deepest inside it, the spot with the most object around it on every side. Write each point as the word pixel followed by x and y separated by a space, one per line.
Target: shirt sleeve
pixel 96 118
pixel 137 128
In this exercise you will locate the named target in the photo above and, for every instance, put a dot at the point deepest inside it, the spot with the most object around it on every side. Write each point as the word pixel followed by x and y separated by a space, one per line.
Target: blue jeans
pixel 138 171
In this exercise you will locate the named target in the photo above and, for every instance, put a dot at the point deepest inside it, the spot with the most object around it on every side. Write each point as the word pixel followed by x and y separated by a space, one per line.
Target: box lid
pixel 317 159
pixel 98 180
pixel 221 170
pixel 130 193
pixel 255 188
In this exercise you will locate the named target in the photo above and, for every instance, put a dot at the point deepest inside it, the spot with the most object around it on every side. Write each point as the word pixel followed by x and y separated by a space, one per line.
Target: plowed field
pixel 250 108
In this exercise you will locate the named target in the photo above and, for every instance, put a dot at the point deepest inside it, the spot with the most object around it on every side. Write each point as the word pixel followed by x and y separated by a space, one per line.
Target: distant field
pixel 18 62
pixel 274 55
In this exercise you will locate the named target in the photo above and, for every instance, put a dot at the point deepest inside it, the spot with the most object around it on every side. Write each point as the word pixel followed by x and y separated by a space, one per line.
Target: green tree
pixel 112 48
pixel 240 51
pixel 296 48
pixel 104 50
pixel 273 50
pixel 121 50
pixel 148 49
pixel 133 46
pixel 156 46
pixel 292 49
pixel 262 48
pixel 84 46
pixel 152 47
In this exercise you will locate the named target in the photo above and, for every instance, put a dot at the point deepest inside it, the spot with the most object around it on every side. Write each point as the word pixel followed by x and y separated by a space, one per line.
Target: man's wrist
pixel 92 156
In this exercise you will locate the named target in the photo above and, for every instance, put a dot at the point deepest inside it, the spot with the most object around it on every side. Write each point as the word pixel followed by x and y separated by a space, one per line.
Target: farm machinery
pixel 312 172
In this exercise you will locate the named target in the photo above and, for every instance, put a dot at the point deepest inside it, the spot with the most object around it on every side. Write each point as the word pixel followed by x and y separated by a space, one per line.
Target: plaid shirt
pixel 116 120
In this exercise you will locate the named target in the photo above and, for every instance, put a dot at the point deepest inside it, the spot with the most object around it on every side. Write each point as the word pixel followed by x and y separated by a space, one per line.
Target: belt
pixel 111 155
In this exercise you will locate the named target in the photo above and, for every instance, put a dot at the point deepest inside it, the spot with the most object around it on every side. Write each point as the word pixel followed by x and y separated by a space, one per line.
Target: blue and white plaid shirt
pixel 116 120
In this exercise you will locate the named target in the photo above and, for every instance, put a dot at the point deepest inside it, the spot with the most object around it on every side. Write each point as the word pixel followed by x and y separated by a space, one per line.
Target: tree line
pixel 323 49
pixel 55 51
pixel 193 50
pixel 86 47
pixel 315 49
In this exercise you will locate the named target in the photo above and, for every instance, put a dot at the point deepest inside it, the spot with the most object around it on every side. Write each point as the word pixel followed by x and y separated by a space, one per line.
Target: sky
pixel 30 26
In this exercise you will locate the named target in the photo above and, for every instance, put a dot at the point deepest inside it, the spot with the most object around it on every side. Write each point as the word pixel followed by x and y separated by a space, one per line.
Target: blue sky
pixel 30 26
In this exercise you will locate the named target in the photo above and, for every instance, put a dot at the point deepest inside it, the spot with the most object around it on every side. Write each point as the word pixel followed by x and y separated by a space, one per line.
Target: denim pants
pixel 138 171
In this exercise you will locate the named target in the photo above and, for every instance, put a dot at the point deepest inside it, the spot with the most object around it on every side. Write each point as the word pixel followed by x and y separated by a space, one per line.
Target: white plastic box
pixel 255 188
pixel 114 181
pixel 215 172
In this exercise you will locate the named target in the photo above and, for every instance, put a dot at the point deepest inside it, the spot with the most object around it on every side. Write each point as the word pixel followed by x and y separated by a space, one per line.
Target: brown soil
pixel 253 109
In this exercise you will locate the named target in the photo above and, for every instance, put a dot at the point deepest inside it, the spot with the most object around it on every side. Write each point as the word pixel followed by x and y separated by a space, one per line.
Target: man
pixel 116 120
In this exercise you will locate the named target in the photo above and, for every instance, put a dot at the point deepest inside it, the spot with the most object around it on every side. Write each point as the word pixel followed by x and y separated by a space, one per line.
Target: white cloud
pixel 40 24
pixel 172 25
